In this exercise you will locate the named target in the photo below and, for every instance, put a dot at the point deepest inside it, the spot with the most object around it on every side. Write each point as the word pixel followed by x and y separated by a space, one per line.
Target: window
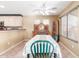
pixel 46 21
pixel 37 21
pixel 64 26
pixel 73 25
pixel 70 25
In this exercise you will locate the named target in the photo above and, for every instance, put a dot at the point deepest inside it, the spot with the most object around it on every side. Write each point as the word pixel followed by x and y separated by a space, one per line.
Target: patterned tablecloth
pixel 26 49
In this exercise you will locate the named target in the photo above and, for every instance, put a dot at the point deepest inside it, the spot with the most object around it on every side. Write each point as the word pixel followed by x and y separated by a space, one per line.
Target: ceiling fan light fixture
pixel 51 11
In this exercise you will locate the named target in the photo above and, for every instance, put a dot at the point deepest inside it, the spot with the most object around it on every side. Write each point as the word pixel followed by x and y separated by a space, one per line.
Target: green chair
pixel 42 49
pixel 55 37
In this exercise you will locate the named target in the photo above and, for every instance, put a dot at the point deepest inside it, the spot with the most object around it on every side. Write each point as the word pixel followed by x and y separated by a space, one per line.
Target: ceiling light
pixel 2 6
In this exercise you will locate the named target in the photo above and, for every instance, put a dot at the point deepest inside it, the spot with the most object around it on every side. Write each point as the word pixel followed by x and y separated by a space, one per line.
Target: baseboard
pixel 69 50
pixel 11 47
pixel 26 39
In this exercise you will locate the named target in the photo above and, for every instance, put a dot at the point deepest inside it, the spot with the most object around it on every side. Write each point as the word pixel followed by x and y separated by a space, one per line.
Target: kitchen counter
pixel 9 38
pixel 12 30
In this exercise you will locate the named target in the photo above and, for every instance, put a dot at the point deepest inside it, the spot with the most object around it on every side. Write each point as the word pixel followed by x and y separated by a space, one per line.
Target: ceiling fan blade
pixel 36 10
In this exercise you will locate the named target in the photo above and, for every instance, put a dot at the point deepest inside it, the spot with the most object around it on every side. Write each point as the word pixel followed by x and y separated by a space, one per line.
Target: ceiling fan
pixel 44 10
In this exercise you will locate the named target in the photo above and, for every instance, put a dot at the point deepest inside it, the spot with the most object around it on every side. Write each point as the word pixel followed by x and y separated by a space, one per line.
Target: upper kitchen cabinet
pixel 11 20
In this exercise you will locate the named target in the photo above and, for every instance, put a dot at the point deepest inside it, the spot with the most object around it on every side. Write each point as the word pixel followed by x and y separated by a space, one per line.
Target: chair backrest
pixel 42 49
pixel 55 37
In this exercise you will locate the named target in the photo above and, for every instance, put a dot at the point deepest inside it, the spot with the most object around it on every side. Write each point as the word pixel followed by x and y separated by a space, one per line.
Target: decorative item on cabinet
pixel 2 27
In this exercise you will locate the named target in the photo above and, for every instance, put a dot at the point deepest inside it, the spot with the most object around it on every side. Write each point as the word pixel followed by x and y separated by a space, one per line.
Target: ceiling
pixel 32 7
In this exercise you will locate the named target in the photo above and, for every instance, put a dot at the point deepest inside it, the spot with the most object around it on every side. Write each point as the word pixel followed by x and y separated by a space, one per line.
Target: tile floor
pixel 65 52
pixel 17 52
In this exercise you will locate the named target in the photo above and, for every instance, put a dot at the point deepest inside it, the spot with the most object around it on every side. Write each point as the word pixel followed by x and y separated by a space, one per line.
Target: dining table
pixel 27 51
